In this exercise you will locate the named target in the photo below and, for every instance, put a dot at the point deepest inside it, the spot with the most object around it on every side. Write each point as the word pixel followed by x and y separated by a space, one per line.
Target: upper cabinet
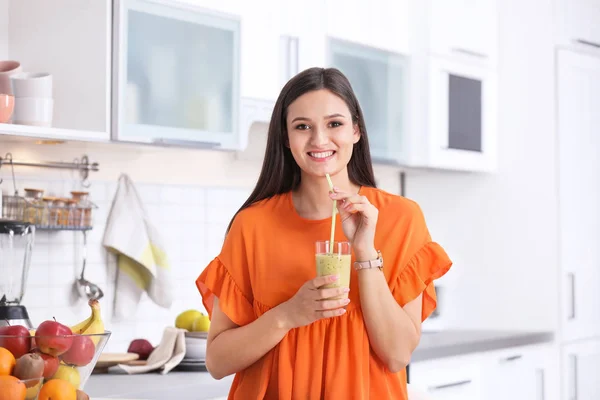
pixel 464 28
pixel 453 91
pixel 578 23
pixel 69 41
pixel 379 79
pixel 176 74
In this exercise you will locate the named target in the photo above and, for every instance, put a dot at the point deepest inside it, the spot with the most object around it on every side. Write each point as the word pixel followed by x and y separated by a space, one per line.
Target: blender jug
pixel 16 244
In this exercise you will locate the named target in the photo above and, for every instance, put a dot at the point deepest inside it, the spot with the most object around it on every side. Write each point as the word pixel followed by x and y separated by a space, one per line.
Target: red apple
pixel 51 363
pixel 19 341
pixel 81 352
pixel 141 347
pixel 53 338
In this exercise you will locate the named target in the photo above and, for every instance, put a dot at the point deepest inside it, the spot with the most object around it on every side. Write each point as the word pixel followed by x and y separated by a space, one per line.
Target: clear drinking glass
pixel 334 261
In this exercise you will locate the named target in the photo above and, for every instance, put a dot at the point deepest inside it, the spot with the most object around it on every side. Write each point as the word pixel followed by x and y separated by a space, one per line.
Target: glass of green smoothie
pixel 334 260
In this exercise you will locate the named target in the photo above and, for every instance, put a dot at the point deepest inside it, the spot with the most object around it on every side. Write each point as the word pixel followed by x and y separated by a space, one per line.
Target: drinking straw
pixel 332 215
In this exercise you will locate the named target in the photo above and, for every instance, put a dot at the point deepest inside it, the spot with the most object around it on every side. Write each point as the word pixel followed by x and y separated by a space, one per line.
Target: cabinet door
pixel 462 116
pixel 578 95
pixel 516 374
pixel 580 22
pixel 464 27
pixel 581 369
pixel 70 39
pixel 260 54
pixel 379 79
pixel 453 378
pixel 177 77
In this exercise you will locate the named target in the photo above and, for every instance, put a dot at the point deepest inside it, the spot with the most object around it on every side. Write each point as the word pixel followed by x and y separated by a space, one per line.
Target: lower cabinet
pixel 519 373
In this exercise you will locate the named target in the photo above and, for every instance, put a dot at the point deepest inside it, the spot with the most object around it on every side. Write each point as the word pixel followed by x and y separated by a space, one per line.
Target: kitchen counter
pixel 450 343
pixel 201 386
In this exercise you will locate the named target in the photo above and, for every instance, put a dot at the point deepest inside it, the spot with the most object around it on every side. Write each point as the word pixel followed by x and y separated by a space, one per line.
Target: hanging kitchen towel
pixel 142 263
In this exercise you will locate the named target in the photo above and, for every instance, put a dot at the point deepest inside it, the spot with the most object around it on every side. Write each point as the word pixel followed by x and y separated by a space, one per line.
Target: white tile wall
pixel 193 221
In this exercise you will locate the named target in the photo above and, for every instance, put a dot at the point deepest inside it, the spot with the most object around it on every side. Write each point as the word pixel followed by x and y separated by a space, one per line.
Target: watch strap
pixel 377 263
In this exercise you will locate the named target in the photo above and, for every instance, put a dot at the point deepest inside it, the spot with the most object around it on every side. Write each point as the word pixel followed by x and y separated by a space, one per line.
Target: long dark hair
pixel 280 173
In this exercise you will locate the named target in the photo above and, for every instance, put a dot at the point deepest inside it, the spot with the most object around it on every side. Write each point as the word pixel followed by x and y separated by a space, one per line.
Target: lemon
pixel 186 319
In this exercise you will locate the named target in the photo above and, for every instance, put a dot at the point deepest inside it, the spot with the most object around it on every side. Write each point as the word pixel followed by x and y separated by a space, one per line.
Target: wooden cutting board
pixel 107 360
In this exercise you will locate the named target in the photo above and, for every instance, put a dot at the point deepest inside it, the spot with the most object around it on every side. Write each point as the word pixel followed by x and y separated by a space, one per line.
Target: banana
pixel 92 325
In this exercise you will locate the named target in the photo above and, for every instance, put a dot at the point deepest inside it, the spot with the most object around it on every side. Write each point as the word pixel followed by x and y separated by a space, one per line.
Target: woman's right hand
pixel 313 302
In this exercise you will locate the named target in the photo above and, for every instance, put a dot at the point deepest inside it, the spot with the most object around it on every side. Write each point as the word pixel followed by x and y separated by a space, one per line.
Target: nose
pixel 319 137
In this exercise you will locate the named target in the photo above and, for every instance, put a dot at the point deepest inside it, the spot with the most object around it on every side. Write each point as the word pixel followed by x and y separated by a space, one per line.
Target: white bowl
pixel 32 84
pixel 195 348
pixel 33 111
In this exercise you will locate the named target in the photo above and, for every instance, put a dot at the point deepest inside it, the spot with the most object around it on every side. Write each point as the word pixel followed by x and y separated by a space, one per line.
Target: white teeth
pixel 321 154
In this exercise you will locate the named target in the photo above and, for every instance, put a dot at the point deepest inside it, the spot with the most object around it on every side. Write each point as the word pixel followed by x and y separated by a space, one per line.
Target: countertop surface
pixel 201 386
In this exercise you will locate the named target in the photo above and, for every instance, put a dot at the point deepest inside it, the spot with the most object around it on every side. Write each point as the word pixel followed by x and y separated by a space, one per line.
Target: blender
pixel 16 244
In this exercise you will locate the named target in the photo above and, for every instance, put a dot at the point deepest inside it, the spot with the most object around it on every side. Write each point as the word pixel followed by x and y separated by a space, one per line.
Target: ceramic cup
pixel 32 84
pixel 33 111
pixel 7 106
pixel 7 69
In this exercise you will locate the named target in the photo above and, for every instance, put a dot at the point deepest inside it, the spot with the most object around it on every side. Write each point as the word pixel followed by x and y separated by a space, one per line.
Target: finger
pixel 331 313
pixel 349 197
pixel 324 305
pixel 329 293
pixel 322 281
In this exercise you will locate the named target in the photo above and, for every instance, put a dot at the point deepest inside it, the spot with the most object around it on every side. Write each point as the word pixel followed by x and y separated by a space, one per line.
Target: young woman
pixel 273 323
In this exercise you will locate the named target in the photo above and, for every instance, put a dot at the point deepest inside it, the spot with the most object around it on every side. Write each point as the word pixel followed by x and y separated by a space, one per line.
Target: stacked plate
pixel 195 352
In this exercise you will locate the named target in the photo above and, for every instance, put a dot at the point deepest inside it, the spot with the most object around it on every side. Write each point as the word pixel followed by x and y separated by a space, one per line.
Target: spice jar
pixel 62 212
pixel 34 206
pixel 48 212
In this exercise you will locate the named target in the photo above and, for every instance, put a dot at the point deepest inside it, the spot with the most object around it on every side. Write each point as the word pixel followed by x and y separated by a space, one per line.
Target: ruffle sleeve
pixel 216 280
pixel 430 262
pixel 227 276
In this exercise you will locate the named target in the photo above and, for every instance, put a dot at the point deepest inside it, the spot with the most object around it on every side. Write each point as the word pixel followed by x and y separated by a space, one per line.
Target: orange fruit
pixel 57 389
pixel 7 362
pixel 12 388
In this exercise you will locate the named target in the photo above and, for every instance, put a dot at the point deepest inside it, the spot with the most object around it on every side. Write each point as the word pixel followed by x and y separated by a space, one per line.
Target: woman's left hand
pixel 359 218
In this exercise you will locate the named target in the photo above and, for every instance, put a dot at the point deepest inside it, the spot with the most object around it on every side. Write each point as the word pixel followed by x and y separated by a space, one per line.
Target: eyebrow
pixel 326 117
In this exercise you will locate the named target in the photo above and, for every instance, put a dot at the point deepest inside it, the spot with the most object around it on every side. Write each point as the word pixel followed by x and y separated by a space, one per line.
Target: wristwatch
pixel 377 263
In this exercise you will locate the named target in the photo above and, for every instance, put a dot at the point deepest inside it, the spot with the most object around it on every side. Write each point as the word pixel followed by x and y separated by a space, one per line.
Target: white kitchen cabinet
pixel 260 52
pixel 521 373
pixel 579 23
pixel 458 115
pixel 580 370
pixel 452 378
pixel 176 74
pixel 381 24
pixel 464 28
pixel 578 94
pixel 70 39
pixel 380 80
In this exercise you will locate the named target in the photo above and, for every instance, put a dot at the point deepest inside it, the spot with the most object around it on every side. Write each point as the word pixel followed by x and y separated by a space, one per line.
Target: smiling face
pixel 321 133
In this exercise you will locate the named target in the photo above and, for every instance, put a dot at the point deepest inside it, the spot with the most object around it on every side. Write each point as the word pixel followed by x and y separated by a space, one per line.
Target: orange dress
pixel 269 253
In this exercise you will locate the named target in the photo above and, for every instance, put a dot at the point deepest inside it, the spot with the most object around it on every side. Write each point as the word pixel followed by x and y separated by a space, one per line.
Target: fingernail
pixel 346 290
pixel 342 311
pixel 346 301
pixel 335 277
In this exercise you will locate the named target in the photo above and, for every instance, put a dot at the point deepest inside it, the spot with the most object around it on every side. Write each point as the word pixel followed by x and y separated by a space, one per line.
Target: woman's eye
pixel 335 124
pixel 302 127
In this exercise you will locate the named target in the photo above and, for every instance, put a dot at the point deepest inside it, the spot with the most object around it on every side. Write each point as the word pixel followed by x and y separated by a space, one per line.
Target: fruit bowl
pixel 68 357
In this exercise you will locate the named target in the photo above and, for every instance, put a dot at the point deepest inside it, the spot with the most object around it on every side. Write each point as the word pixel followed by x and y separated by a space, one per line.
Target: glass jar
pixel 50 215
pixel 34 206
pixel 84 206
pixel 62 213
pixel 73 214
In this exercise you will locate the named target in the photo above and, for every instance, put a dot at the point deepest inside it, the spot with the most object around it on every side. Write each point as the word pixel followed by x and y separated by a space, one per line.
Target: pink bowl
pixel 8 68
pixel 7 106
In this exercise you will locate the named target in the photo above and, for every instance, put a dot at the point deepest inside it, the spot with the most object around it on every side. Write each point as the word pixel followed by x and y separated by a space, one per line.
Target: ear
pixel 357 134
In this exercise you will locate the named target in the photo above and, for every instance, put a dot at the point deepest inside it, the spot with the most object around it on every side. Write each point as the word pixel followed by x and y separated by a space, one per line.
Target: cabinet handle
pixel 469 52
pixel 587 43
pixel 571 277
pixel 541 384
pixel 511 358
pixel 186 143
pixel 449 385
pixel 573 379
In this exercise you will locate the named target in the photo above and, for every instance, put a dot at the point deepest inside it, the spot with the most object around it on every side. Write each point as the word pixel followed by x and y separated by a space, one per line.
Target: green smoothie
pixel 335 264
